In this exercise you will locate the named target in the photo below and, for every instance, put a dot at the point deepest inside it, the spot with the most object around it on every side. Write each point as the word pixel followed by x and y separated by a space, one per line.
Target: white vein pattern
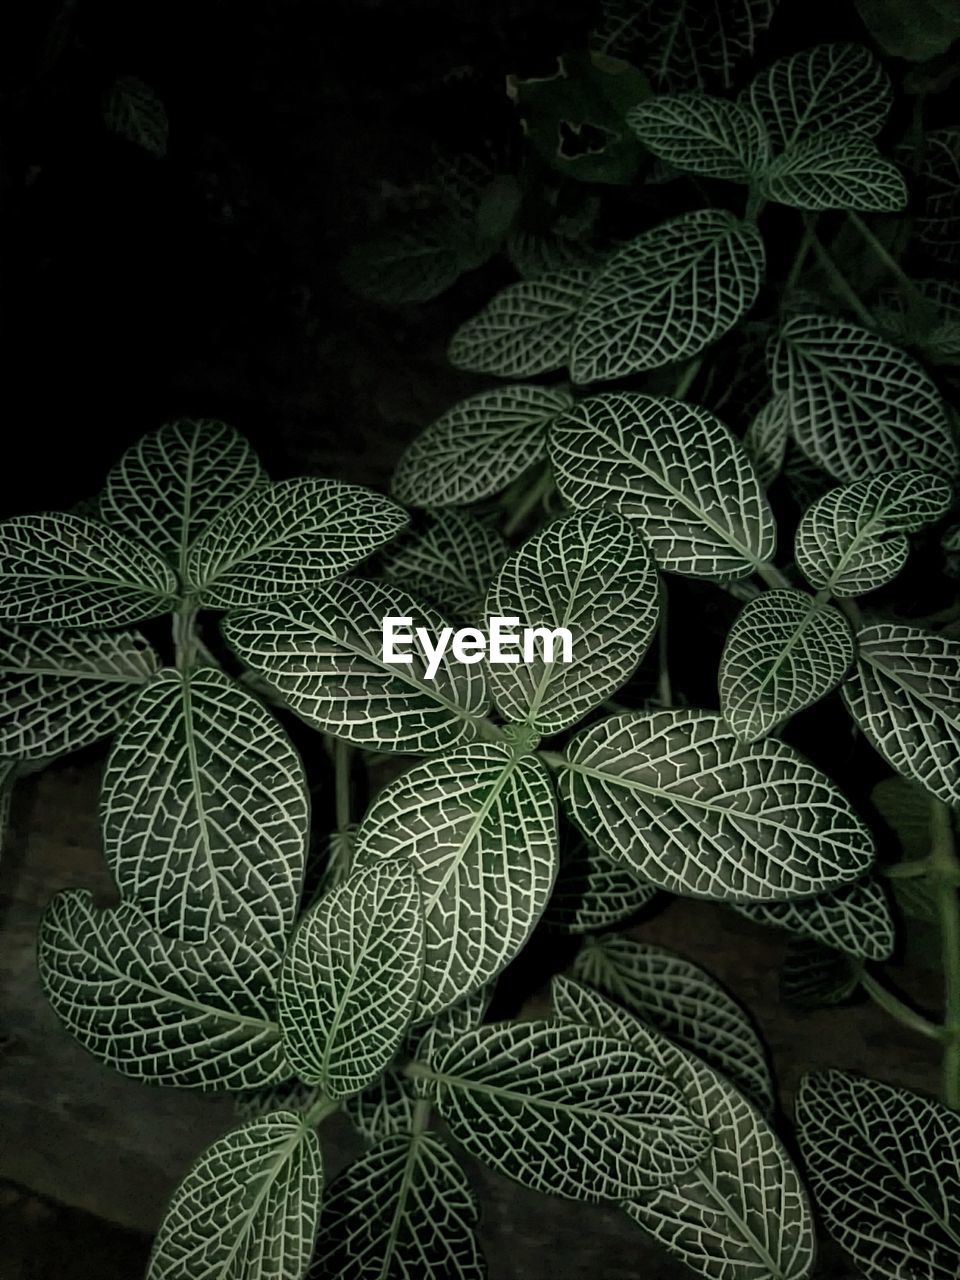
pixel 835 170
pixel 248 1208
pixel 937 335
pixel 675 469
pixel 701 134
pixel 413 260
pixel 674 795
pixel 859 404
pixel 324 657
pixel 667 295
pixel 63 570
pixel 478 446
pixel 62 690
pixel 765 440
pixel 403 1211
pixel 384 1108
pixel 592 891
pixel 905 696
pixel 590 572
pixel 855 919
pixel 285 1095
pixel 450 562
pixel 286 539
pixel 205 810
pixel 938 218
pixel 852 541
pixel 479 826
pixel 783 653
pixel 351 977
pixel 164 1012
pixel 525 329
pixel 566 1111
pixel 816 977
pixel 884 1166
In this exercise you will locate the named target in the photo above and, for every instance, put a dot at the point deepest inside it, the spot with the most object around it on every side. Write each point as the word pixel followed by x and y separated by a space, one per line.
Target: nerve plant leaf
pixel 785 651
pixel 592 891
pixel 286 538
pixel 765 440
pixel 350 979
pixel 937 225
pixel 592 574
pixel 905 696
pixel 479 827
pixel 248 1209
pixel 450 563
pixel 324 657
pixel 133 110
pixel 675 796
pixel 405 1210
pixel 835 171
pixel 855 919
pixel 817 977
pixel 566 1111
pixel 478 446
pixel 859 404
pixel 62 690
pixel 928 319
pixel 884 1165
pixel 702 134
pixel 852 541
pixel 205 811
pixel 164 1012
pixel 676 470
pixel 415 258
pixel 70 572
pixel 667 295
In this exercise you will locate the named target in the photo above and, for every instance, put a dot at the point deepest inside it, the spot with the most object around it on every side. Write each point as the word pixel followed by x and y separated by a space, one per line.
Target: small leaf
pixel 702 134
pixel 854 919
pixel 450 563
pixel 592 891
pixel 384 1108
pixel 134 111
pixel 414 259
pixel 918 30
pixel 817 977
pixel 835 171
pixel 937 223
pixel 765 441
pixel 928 318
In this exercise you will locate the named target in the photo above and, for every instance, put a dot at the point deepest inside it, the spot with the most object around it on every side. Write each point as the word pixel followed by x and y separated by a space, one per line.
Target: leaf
pixel 174 482
pixel 685 1003
pixel 248 1209
pixel 816 977
pixel 702 134
pixel 937 224
pixel 884 1165
pixel 450 563
pixel 405 1210
pixel 592 574
pixel 667 295
pixel 324 657
pixel 62 690
pixel 854 919
pixel 905 696
pixel 384 1109
pixel 914 29
pixel 765 441
pixel 565 1111
pixel 835 171
pixel 858 404
pixel 534 254
pixel 525 329
pixel 351 977
pixel 205 810
pixel 414 259
pixel 164 1012
pixel 928 318
pixel 593 892
pixel 133 110
pixel 70 572
pixel 479 828
pixel 677 471
pixel 675 796
pixel 810 92
pixel 478 447
pixel 286 1095
pixel 852 541
pixel 785 651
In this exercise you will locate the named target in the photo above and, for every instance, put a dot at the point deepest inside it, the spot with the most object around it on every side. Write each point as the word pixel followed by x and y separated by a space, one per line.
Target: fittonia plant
pixel 535 795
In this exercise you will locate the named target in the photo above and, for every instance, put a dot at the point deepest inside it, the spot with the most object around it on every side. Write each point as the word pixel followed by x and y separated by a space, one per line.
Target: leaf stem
pixel 771 575
pixel 896 1007
pixel 687 377
pixel 883 254
pixel 944 871
pixel 316 1114
pixel 530 501
pixel 839 281
pixel 342 756
pixel 184 634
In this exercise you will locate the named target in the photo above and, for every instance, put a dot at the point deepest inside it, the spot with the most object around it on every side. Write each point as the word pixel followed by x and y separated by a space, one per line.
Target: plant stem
pixel 772 575
pixel 686 379
pixel 838 279
pixel 944 870
pixel 184 634
pixel 322 1108
pixel 893 1005
pixel 884 255
pixel 907 870
pixel 664 690
pixel 530 501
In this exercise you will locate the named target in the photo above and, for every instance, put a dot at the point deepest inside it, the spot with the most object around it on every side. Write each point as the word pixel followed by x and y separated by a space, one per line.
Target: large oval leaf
pixel 702 134
pixel 450 562
pixel 835 171
pixel 854 919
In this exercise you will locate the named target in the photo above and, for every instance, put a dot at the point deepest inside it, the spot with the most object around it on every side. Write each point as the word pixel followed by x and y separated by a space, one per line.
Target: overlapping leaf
pixel 592 891
pixel 132 110
pixel 702 134
pixel 835 171
pixel 450 563
pixel 415 258
pixel 927 318
pixel 817 977
pixel 384 1109
pixel 677 471
pixel 937 225
pixel 765 440
pixel 667 295
pixel 854 919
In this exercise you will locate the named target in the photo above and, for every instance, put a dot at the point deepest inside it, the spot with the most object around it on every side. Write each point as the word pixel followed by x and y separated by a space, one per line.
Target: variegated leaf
pixel 835 171
pixel 855 919
pixel 817 977
pixel 702 134
pixel 450 562
pixel 937 224
pixel 384 1108
pixel 765 441
pixel 592 891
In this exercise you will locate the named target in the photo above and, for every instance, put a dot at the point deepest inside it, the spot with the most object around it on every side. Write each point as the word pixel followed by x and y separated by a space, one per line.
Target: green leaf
pixel 816 977
pixel 205 810
pixel 324 657
pixel 677 471
pixel 287 538
pixel 566 1111
pixel 858 404
pixel 685 1003
pixel 928 318
pixel 535 253
pixel 525 329
pixel 854 919
pixel 450 562
pixel 905 696
pixel 937 222
pixel 785 651
pixel 884 1165
pixel 70 572
pixel 702 134
pixel 384 1109
pixel 350 979
pixel 835 171
pixel 667 295
pixel 174 482
pixel 592 574
pixel 405 1210
pixel 592 891
pixel 852 541
pixel 133 110
pixel 674 795
pixel 479 827
pixel 811 92
pixel 765 440
pixel 62 690
pixel 917 30
pixel 248 1209
pixel 164 1012
pixel 285 1095
pixel 905 808
pixel 414 259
